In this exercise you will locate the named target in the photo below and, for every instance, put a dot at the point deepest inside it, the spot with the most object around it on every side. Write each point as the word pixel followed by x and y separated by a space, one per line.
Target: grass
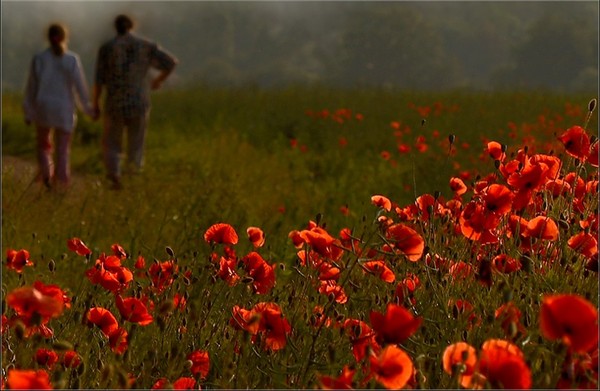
pixel 251 157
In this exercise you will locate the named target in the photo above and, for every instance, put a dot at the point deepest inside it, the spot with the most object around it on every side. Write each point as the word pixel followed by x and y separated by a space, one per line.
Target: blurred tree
pixel 392 44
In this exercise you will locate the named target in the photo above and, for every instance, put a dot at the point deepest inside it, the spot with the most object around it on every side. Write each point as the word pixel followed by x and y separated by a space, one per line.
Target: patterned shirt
pixel 122 67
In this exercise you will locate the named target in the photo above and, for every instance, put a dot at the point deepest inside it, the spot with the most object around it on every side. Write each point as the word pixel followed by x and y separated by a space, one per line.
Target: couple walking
pixel 56 83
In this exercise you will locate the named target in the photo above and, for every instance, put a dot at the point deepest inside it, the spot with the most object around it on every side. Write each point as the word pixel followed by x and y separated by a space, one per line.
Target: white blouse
pixel 55 87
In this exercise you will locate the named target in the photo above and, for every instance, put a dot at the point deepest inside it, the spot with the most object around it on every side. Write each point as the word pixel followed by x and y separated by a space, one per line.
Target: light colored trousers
pixel 48 171
pixel 112 142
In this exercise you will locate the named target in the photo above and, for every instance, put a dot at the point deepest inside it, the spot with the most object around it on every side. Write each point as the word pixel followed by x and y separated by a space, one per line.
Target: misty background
pixel 483 45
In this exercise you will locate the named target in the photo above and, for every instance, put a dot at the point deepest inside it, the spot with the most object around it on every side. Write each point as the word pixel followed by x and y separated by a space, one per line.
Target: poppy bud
pixel 62 345
pixel 592 105
pixel 497 164
pixel 451 138
pixel 20 330
pixel 51 265
pixel 170 251
pixel 423 121
pixel 437 194
pixel 507 295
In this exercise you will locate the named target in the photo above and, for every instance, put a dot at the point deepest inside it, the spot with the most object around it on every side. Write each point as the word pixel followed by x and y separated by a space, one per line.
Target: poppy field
pixel 312 239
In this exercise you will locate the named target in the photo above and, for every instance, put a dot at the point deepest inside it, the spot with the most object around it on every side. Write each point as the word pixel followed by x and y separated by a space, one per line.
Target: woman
pixel 56 82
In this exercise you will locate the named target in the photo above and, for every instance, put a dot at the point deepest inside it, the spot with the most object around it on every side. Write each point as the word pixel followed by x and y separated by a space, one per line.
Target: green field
pixel 277 160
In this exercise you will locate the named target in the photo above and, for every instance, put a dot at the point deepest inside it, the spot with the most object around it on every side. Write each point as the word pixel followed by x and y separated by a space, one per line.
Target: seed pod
pixel 62 345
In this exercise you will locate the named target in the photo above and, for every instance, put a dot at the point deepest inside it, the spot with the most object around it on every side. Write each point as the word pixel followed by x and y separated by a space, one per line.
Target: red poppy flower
pixel 256 236
pixel 476 223
pixel 243 319
pixel 584 243
pixel 459 358
pixel 46 357
pixel 227 270
pixel 328 272
pixel 17 260
pixel 510 318
pixel 273 325
pixel 118 251
pixel 322 242
pixel 503 366
pixel 572 319
pixel 392 368
pixel 495 150
pixel 362 337
pixel 458 186
pixel 118 340
pixel 28 380
pixel 506 264
pixel 498 199
pixel 380 269
pixel 263 274
pixel 162 274
pixel 382 202
pixel 104 319
pixel 200 363
pixel 407 241
pixel 133 310
pixel 576 142
pixel 140 263
pixel 221 233
pixel 184 383
pixel 395 326
pixel 342 382
pixel 160 384
pixel 71 359
pixel 542 227
pixel 330 288
pixel 78 247
pixel 29 304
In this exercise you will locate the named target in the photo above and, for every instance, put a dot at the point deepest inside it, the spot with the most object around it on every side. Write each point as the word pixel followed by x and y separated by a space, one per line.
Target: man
pixel 121 69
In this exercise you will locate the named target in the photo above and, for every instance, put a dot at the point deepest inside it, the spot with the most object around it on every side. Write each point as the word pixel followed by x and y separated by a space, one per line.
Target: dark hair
pixel 57 35
pixel 123 24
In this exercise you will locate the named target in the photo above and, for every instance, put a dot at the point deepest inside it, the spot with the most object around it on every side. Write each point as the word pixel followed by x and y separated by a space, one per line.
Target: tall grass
pixel 276 159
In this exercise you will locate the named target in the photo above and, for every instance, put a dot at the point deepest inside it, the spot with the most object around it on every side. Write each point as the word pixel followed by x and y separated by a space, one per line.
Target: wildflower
pixel 460 358
pixel 118 340
pixel 506 264
pixel 584 243
pixel 227 270
pixel 407 241
pixel 495 150
pixel 576 142
pixel 46 357
pixel 503 366
pixel 395 326
pixel 542 227
pixel 78 247
pixel 104 319
pixel 498 199
pixel 133 310
pixel 184 383
pixel 380 269
pixel 342 382
pixel 200 363
pixel 28 380
pixel 330 288
pixel 392 367
pixel 162 274
pixel 221 233
pixel 570 318
pixel 256 236
pixel 17 260
pixel 458 186
pixel 118 251
pixel 510 318
pixel 71 359
pixel 382 202
pixel 34 307
pixel 362 338
pixel 266 319
pixel 263 274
